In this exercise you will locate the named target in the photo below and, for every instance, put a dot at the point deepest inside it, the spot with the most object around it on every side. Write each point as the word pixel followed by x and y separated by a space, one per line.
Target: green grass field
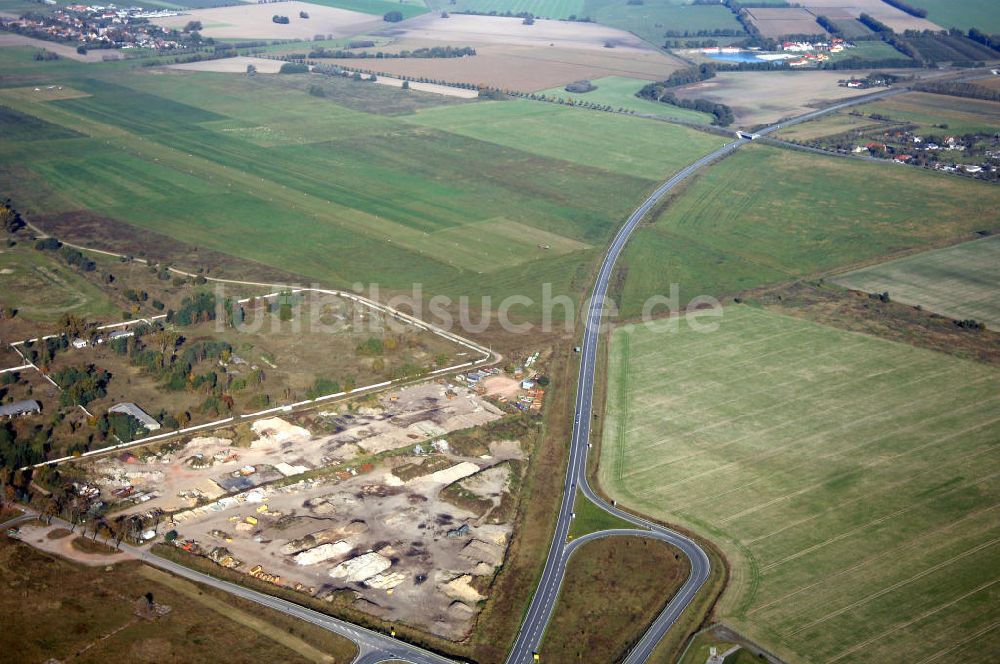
pixel 927 110
pixel 409 8
pixel 336 189
pixel 959 281
pixel 555 9
pixel 42 288
pixel 649 21
pixel 963 14
pixel 850 480
pixel 868 50
pixel 767 215
pixel 827 125
pixel 619 92
pixel 653 18
pixel 589 138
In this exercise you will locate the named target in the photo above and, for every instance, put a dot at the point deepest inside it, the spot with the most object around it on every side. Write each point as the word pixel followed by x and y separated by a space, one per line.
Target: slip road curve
pixel 540 611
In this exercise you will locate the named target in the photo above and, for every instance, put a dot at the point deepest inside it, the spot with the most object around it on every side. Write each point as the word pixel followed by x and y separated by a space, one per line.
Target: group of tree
pixel 660 91
pixel 122 426
pixel 322 387
pixel 431 52
pixel 70 255
pixel 919 12
pixel 10 218
pixel 393 16
pixel 580 87
pixel 281 20
pixel 959 89
pixel 828 25
pixel 81 384
pixel 874 24
pixel 714 32
pixel 196 308
pixel 294 68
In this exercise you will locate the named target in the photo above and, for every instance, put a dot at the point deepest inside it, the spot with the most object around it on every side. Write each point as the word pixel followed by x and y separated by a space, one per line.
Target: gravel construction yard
pixel 253 21
pixel 366 526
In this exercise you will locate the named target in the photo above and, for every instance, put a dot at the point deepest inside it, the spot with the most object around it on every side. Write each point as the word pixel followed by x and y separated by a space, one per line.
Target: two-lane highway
pixel 540 611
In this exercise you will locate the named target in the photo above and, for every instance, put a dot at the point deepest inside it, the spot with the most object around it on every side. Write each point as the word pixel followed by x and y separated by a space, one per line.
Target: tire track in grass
pixel 623 401
pixel 922 616
pixel 971 637
pixel 894 551
pixel 896 586
pixel 857 529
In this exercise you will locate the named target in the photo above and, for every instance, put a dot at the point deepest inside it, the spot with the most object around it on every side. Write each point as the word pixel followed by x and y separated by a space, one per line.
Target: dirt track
pixel 37 536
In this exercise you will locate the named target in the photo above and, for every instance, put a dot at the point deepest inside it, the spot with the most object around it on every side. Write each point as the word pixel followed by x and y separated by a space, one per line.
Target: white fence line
pixel 371 304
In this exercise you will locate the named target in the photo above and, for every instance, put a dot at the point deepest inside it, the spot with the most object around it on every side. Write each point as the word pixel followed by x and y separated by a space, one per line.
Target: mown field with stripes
pixel 851 481
pixel 959 281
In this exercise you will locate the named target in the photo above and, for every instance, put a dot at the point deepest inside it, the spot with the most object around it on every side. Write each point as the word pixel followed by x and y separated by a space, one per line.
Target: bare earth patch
pixel 254 21
pixel 764 97
pixel 65 50
pixel 527 68
pixel 521 57
pixel 501 30
pixel 40 537
pixel 232 65
pixel 434 88
pixel 779 21
pixel 896 19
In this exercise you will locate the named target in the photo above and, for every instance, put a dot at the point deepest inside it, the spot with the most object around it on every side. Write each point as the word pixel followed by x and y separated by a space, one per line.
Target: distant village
pixel 100 26
pixel 794 53
pixel 975 155
pixel 906 147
